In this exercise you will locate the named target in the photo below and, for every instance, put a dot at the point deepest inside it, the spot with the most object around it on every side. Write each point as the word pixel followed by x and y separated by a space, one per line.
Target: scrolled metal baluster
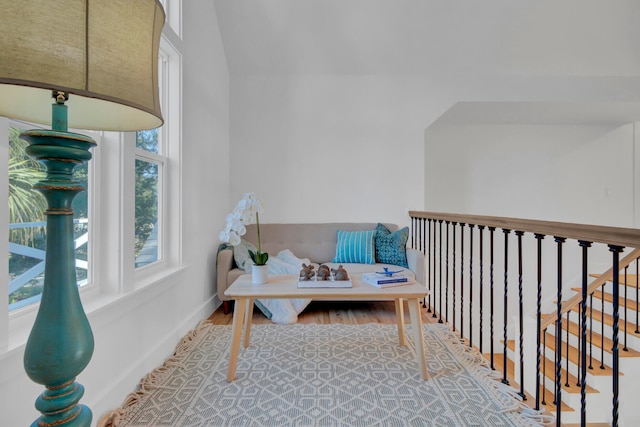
pixel 625 308
pixel 462 224
pixel 582 377
pixel 440 274
pixel 615 350
pixel 544 369
pixel 435 238
pixel 521 315
pixel 453 270
pixel 446 280
pixel 481 228
pixel 491 293
pixel 566 384
pixel 591 331
pixel 428 255
pixel 504 309
pixel 471 227
pixel 602 329
pixel 539 238
pixel 558 369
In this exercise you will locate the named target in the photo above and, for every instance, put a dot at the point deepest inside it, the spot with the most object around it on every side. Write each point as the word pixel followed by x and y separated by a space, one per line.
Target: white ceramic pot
pixel 259 274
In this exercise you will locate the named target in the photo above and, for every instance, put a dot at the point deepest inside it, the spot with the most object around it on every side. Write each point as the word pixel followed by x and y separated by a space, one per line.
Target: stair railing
pixel 467 294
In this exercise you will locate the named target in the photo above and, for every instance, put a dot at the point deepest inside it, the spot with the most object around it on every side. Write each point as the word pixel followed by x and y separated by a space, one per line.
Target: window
pixel 27 234
pixel 148 201
pixel 127 223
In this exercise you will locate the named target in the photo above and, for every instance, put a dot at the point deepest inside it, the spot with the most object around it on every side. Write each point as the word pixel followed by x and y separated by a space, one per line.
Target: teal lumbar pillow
pixel 356 247
pixel 391 248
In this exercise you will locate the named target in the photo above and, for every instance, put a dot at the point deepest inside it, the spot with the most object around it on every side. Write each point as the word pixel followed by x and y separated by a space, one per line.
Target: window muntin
pixel 27 231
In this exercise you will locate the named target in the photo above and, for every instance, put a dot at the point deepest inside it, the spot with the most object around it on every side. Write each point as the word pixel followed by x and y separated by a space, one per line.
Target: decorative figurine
pixel 340 273
pixel 323 273
pixel 307 272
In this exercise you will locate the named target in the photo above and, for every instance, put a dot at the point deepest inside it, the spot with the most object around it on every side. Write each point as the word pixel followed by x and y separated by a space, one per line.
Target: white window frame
pixel 112 209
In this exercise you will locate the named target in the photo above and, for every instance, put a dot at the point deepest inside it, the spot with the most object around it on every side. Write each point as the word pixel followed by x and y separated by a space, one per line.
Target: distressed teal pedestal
pixel 61 342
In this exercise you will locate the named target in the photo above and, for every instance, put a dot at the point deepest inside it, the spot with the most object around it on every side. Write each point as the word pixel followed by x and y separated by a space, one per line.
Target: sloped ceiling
pixel 581 38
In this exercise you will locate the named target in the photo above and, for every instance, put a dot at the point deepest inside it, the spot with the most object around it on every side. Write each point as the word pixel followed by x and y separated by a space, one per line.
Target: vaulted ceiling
pixel 585 39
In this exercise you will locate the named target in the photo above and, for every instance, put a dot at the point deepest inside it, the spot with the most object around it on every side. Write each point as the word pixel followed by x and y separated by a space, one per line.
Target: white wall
pixel 328 148
pixel 570 173
pixel 136 333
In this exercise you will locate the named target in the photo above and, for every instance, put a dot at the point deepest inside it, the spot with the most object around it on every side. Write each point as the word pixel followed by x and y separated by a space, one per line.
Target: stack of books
pixel 382 280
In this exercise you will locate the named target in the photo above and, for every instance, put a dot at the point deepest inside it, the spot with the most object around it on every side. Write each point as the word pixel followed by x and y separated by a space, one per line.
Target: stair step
pixel 631 305
pixel 550 372
pixel 574 329
pixel 547 397
pixel 574 355
pixel 607 319
pixel 631 279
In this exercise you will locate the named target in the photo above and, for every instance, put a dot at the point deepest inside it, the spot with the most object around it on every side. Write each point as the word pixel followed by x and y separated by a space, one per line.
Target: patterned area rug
pixel 322 375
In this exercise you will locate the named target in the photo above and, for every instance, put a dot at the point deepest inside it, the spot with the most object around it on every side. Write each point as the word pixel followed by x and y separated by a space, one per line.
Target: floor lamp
pixel 99 58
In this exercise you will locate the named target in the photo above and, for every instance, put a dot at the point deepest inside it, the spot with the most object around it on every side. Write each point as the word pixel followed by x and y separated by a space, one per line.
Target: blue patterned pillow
pixel 391 248
pixel 356 247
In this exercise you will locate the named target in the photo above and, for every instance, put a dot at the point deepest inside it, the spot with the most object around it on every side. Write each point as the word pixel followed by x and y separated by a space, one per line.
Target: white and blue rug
pixel 322 375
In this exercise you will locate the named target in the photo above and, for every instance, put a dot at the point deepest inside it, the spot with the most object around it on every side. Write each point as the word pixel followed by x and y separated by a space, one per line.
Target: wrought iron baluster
pixel 579 344
pixel 558 368
pixel 413 231
pixel 591 331
pixel 435 293
pixel 453 270
pixel 491 293
pixel 539 238
pixel 471 227
pixel 544 368
pixel 615 350
pixel 462 224
pixel 505 307
pixel 421 234
pixel 428 260
pixel 481 228
pixel 446 280
pixel 440 274
pixel 567 346
pixel 582 378
pixel 625 308
pixel 521 315
pixel 602 327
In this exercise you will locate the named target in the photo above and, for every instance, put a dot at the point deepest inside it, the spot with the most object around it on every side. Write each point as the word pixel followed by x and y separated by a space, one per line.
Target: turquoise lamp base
pixel 60 344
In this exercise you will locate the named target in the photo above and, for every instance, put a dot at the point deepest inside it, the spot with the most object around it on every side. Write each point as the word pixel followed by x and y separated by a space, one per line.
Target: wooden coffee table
pixel 285 286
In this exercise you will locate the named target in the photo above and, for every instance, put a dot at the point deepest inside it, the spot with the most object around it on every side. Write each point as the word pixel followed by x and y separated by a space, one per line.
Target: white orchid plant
pixel 248 208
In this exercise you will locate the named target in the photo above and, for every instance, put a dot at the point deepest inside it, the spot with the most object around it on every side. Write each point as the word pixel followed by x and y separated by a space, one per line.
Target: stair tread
pixel 631 279
pixel 547 396
pixel 574 329
pixel 573 354
pixel 608 320
pixel 631 305
pixel 550 372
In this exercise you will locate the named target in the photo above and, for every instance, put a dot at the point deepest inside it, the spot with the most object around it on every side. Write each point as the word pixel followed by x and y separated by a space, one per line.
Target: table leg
pixel 236 334
pixel 416 324
pixel 247 324
pixel 400 320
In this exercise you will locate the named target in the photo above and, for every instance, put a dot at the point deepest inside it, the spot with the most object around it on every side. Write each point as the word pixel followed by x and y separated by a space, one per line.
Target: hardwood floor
pixel 336 312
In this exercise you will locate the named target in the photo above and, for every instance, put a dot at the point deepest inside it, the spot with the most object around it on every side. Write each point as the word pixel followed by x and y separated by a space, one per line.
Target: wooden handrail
pixel 573 302
pixel 625 237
